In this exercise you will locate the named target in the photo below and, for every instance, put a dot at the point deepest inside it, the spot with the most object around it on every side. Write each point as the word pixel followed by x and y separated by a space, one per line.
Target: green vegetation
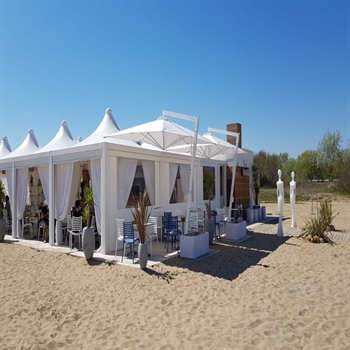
pixel 316 228
pixel 327 163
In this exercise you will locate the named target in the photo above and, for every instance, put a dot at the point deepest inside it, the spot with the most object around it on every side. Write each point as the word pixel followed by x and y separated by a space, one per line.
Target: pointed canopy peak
pixel 28 146
pixel 5 147
pixel 107 126
pixel 5 143
pixel 63 139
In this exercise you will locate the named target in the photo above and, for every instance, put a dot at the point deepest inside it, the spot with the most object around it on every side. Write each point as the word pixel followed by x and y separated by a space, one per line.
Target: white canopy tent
pixel 5 150
pixel 18 181
pixel 164 134
pixel 107 156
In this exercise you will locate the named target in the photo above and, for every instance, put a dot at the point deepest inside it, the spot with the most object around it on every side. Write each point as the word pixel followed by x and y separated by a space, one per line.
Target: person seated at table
pixel 44 219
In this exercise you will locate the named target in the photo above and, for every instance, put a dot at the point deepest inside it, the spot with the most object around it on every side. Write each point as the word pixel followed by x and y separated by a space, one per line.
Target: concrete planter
pixel 143 255
pixel 2 229
pixel 210 227
pixel 88 242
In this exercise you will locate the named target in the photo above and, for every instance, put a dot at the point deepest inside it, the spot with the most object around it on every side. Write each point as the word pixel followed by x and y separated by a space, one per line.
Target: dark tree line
pixel 329 161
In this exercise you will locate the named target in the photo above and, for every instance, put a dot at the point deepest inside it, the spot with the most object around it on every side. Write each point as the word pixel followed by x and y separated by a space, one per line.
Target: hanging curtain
pixel 75 185
pixel 63 185
pixel 149 174
pixel 172 177
pixel 4 183
pixel 44 179
pixel 185 174
pixel 22 193
pixel 126 175
pixel 95 172
pixel 9 183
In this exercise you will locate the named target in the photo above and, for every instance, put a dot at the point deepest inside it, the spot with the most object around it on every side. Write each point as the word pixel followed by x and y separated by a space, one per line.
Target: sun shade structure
pixel 216 147
pixel 161 133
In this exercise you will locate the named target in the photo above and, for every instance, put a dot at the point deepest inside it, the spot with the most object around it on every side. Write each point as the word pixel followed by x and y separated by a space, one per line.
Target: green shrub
pixel 321 224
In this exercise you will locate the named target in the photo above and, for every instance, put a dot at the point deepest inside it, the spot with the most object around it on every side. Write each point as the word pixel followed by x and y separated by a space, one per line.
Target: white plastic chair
pixel 193 222
pixel 120 234
pixel 220 219
pixel 201 221
pixel 24 225
pixel 152 230
pixel 68 227
pixel 76 229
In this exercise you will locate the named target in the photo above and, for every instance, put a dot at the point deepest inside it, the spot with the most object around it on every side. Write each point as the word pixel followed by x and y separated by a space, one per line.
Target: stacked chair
pixel 171 231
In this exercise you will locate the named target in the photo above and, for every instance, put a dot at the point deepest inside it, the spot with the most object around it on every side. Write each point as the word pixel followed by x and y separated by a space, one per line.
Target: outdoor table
pixel 194 245
pixel 236 230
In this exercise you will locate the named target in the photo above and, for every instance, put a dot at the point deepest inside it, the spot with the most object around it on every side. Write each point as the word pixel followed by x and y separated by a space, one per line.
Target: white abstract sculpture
pixel 280 199
pixel 292 200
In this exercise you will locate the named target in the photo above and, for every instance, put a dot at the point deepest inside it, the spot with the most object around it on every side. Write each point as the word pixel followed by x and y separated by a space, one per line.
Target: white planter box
pixel 194 246
pixel 236 230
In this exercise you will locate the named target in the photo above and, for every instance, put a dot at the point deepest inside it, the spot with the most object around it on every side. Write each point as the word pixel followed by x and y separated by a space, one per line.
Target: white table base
pixel 236 231
pixel 194 246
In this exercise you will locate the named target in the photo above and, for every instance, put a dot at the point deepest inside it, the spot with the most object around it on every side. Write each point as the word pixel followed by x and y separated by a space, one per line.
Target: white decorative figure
pixel 292 200
pixel 280 199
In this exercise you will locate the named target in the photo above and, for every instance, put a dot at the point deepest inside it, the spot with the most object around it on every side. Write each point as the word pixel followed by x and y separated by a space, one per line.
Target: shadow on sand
pixel 234 258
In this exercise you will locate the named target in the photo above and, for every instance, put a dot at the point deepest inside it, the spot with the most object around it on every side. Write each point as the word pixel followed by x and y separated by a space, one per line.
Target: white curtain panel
pixel 77 170
pixel 63 185
pixel 44 178
pixel 185 179
pixel 172 177
pixel 9 184
pixel 22 193
pixel 4 183
pixel 126 175
pixel 149 174
pixel 95 172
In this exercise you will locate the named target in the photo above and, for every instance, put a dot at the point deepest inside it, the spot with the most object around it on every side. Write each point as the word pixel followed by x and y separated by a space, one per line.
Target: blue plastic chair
pixel 172 232
pixel 166 216
pixel 129 238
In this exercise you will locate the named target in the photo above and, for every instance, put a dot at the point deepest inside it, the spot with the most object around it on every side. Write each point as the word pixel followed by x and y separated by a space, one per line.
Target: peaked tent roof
pixel 5 147
pixel 28 146
pixel 107 126
pixel 63 139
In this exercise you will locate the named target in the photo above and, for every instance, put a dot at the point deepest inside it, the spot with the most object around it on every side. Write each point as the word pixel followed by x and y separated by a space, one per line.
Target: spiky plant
pixel 209 187
pixel 141 214
pixel 319 225
pixel 89 204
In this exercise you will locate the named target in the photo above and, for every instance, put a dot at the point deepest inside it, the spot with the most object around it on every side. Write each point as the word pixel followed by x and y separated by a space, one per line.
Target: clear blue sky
pixel 280 68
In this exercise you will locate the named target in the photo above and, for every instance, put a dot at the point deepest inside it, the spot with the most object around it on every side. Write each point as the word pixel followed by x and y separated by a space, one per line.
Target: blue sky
pixel 280 68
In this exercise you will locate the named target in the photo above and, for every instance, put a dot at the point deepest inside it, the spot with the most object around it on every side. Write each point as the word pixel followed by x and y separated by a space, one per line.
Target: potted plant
pixel 2 219
pixel 88 231
pixel 209 193
pixel 141 214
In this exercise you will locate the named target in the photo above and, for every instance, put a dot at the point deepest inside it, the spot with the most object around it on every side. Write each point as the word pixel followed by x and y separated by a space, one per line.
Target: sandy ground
pixel 265 293
pixel 304 210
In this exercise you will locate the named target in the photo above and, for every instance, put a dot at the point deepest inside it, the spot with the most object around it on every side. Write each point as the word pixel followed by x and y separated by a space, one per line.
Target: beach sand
pixel 265 293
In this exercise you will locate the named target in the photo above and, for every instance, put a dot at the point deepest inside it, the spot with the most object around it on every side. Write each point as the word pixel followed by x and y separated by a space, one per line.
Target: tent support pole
pixel 190 190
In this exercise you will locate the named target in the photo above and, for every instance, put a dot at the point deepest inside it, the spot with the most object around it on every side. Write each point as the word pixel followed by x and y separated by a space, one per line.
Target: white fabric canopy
pixel 213 148
pixel 126 174
pixel 185 179
pixel 63 185
pixel 149 174
pixel 161 133
pixel 21 200
pixel 172 178
pixel 95 172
